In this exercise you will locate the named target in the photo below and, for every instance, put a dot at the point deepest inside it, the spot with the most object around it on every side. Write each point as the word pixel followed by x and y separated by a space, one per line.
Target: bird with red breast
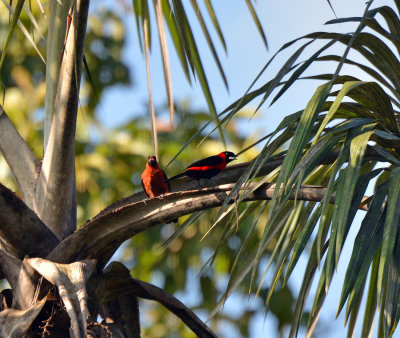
pixel 207 167
pixel 154 180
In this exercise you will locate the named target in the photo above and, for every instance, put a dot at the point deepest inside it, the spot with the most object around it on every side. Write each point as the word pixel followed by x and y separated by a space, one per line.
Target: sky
pixel 282 21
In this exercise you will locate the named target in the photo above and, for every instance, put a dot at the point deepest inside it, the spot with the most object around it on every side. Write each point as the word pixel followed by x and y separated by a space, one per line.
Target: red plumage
pixel 154 179
pixel 207 167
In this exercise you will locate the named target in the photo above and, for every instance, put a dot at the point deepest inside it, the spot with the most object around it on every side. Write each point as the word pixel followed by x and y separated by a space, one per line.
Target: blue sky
pixel 246 55
pixel 283 21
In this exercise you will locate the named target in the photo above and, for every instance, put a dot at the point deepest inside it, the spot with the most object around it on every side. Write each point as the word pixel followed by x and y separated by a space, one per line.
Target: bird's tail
pixel 176 177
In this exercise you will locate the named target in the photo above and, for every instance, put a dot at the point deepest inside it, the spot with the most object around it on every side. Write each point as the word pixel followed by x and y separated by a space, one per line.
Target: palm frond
pixel 351 117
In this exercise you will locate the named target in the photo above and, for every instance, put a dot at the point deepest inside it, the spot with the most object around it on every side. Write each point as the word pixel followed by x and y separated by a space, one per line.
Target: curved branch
pixel 23 163
pixel 231 174
pixel 149 291
pixel 116 284
pixel 56 190
pixel 101 237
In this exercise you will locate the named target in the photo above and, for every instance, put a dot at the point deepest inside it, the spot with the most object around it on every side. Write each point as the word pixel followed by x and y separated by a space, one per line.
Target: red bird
pixel 208 167
pixel 154 180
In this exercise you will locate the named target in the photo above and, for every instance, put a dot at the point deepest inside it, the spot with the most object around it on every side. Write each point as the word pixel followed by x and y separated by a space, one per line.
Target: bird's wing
pixel 144 189
pixel 209 161
pixel 164 174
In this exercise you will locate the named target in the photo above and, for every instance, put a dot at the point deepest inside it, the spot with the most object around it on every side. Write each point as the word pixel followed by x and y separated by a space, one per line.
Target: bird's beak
pixel 232 157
